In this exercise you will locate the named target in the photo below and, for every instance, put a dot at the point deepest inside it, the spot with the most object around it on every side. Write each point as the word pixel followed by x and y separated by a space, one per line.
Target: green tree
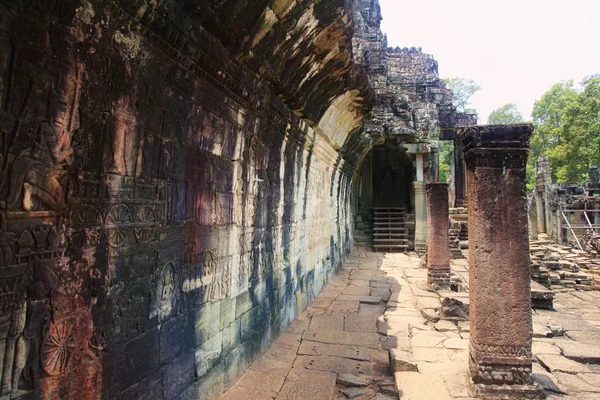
pixel 506 114
pixel 462 90
pixel 567 124
pixel 445 158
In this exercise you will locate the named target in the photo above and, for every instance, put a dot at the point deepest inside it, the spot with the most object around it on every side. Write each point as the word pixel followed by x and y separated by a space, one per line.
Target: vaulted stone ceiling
pixel 176 181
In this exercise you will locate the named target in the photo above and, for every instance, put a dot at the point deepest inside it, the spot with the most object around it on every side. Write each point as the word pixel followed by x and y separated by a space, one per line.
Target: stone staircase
pixel 389 230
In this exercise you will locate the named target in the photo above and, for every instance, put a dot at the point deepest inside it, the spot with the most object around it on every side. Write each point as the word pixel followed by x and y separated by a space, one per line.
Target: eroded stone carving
pixel 38 170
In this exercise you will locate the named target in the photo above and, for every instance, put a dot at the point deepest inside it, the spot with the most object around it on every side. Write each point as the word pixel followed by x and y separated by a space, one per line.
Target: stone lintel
pixel 448 134
pixel 504 137
pixel 417 148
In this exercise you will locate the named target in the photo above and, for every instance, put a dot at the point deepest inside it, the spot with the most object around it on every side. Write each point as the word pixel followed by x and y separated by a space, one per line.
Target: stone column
pixel 419 162
pixel 499 274
pixel 438 250
pixel 366 189
pixel 420 216
pixel 459 174
pixel 531 210
pixel 539 205
pixel 559 222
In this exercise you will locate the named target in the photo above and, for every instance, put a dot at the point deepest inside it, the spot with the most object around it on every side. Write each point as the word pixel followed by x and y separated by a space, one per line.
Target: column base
pixel 456 254
pixel 420 247
pixel 439 277
pixel 483 391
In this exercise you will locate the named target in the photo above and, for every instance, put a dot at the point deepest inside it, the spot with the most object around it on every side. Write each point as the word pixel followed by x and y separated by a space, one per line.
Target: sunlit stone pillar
pixel 420 216
pixel 438 250
pixel 499 275
pixel 532 212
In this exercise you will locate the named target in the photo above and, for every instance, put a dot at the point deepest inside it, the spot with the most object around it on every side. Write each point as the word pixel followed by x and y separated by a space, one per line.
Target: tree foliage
pixel 567 121
pixel 462 90
pixel 446 154
pixel 506 114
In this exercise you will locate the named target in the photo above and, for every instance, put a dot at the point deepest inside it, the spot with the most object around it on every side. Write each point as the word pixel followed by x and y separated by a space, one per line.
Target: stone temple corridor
pixel 183 185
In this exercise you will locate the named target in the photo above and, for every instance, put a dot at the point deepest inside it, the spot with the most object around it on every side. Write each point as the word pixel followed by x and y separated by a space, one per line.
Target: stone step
pixel 390 240
pixel 392 246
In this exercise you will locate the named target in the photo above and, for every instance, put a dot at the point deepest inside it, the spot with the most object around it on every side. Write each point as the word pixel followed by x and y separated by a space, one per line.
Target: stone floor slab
pixel 370 340
pixel 343 307
pixel 321 387
pixel 328 322
pixel 310 348
pixel 357 290
pixel 558 363
pixel 584 353
pixel 333 364
pixel 575 384
pixel 360 299
pixel 359 323
pixel 416 386
pixel 540 347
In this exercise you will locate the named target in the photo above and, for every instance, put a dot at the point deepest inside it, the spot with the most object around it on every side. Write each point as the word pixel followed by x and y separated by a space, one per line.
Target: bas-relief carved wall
pixel 160 220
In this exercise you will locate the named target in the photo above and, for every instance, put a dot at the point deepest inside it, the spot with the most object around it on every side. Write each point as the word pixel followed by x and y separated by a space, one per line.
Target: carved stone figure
pixel 11 355
pixel 37 170
pixel 30 341
pixel 166 285
pixel 28 323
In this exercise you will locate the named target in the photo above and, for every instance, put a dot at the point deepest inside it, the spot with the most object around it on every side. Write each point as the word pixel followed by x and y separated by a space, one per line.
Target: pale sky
pixel 515 49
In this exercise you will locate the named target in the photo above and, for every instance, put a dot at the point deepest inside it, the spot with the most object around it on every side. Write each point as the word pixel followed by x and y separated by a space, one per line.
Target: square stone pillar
pixel 420 216
pixel 539 205
pixel 532 213
pixel 438 249
pixel 459 174
pixel 499 274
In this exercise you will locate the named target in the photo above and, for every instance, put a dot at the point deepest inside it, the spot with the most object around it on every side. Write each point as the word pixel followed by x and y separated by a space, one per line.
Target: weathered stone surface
pixel 415 386
pixel 327 322
pixel 353 393
pixel 586 337
pixel 157 158
pixel 574 384
pixel 324 349
pixel 401 361
pixel 333 364
pixel 322 385
pixel 541 347
pixel 546 380
pixel 438 251
pixel 380 396
pixel 445 326
pixel 583 353
pixel 499 270
pixel 360 299
pixel 558 363
pixel 454 309
pixel 343 307
pixel 370 340
pixel 359 323
pixel 255 385
pixel 352 380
